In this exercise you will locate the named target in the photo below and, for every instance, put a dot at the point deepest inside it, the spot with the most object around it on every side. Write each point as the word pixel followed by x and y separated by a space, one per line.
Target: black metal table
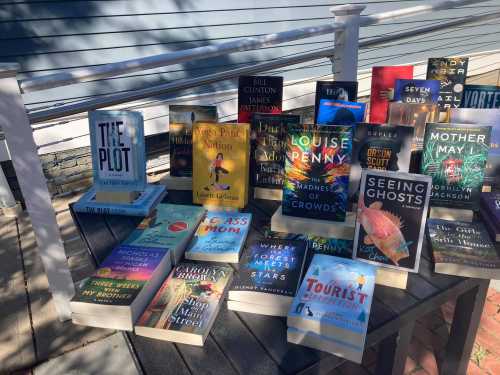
pixel 242 343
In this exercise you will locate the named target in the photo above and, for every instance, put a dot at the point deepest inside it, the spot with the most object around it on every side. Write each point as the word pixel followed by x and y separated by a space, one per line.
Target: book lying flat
pixel 186 305
pixel 256 308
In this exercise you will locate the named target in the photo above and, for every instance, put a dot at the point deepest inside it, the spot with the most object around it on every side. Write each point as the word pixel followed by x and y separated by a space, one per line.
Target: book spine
pixel 110 210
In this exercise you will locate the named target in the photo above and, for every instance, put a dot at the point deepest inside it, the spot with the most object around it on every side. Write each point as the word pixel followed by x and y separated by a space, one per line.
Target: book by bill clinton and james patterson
pixel 263 94
pixel 334 90
pixel 221 157
pixel 317 166
pixel 340 112
pixel 418 91
pixel 392 211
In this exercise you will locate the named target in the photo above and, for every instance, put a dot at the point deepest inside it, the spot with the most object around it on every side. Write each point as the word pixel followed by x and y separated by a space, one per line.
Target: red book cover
pixel 383 82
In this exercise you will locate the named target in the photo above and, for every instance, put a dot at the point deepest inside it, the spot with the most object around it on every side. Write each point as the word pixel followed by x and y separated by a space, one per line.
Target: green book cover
pixel 455 157
pixel 105 291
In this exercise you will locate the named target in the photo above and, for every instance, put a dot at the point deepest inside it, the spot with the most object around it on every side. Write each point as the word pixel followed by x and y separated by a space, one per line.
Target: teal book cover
pixel 221 233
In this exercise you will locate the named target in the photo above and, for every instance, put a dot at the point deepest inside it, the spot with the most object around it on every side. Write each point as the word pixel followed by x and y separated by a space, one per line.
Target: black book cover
pixel 272 266
pixel 335 90
pixel 263 94
pixel 267 164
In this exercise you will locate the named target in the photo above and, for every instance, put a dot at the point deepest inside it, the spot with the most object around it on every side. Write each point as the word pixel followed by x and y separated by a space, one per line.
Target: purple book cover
pixel 491 203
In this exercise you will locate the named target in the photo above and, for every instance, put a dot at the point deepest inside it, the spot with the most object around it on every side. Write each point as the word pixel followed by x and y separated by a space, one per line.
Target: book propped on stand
pixel 332 307
pixel 490 214
pixel 187 303
pixel 121 287
pixel 463 249
pixel 269 277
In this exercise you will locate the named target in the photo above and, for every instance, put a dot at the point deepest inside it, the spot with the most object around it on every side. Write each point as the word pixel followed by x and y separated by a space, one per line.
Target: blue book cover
pixel 417 91
pixel 118 151
pixel 334 300
pixel 141 206
pixel 340 112
pixel 221 235
pixel 481 96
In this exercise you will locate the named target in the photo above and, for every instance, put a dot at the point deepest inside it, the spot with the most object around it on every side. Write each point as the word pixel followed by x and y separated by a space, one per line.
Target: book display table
pixel 243 343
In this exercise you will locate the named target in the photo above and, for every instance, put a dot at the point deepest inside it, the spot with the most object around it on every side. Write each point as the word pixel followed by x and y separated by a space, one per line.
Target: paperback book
pixel 221 158
pixel 455 157
pixel 392 210
pixel 262 94
pixel 382 89
pixel 141 206
pixel 268 149
pixel 340 112
pixel 118 151
pixel 334 90
pixel 481 96
pixel 463 249
pixel 169 226
pixel 220 237
pixel 332 307
pixel 317 167
pixel 186 305
pixel 181 120
pixel 416 91
pixel 379 147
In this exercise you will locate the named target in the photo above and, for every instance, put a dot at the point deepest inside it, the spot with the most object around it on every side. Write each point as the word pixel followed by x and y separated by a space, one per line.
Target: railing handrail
pixel 91 104
pixel 245 44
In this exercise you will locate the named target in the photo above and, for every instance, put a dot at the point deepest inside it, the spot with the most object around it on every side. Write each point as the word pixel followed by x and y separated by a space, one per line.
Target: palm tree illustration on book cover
pixel 317 166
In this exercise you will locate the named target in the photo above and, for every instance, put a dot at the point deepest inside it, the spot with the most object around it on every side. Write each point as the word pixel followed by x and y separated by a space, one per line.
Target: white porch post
pixel 22 147
pixel 345 57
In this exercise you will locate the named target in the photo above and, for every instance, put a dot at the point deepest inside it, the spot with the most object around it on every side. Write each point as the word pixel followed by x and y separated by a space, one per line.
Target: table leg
pixel 393 351
pixel 464 327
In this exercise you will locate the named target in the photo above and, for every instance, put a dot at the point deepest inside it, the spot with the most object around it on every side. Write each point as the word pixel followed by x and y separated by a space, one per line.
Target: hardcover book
pixel 490 204
pixel 463 249
pixel 186 305
pixel 268 149
pixel 481 96
pixel 392 211
pixel 169 226
pixel 455 157
pixel 416 91
pixel 451 72
pixel 340 112
pixel 489 117
pixel 334 90
pixel 317 166
pixel 141 206
pixel 385 148
pixel 220 237
pixel 382 89
pixel 263 94
pixel 181 120
pixel 332 306
pixel 221 158
pixel 118 152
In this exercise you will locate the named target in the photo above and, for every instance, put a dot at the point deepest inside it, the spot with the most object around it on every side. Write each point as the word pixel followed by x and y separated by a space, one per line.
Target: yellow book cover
pixel 221 155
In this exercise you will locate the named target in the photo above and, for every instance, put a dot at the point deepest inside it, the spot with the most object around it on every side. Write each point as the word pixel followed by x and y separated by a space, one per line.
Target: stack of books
pixel 332 307
pixel 490 214
pixel 269 277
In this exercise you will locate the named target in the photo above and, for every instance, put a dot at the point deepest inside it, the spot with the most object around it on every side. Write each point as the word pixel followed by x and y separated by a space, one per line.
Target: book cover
pixel 455 157
pixel 317 167
pixel 490 206
pixel 271 266
pixel 188 300
pixel 141 206
pixel 263 94
pixel 390 225
pixel 104 291
pixel 334 90
pixel 489 117
pixel 416 91
pixel 221 232
pixel 221 157
pixel 118 151
pixel 340 112
pixel 481 96
pixel 380 147
pixel 462 244
pixel 382 89
pixel 451 72
pixel 336 293
pixel 181 120
pixel 268 135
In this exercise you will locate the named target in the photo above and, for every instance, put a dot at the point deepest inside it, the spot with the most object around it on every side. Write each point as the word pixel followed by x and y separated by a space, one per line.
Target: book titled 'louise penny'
pixel 221 156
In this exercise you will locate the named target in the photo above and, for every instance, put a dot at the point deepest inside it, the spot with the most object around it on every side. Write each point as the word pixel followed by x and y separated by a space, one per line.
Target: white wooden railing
pixel 16 121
